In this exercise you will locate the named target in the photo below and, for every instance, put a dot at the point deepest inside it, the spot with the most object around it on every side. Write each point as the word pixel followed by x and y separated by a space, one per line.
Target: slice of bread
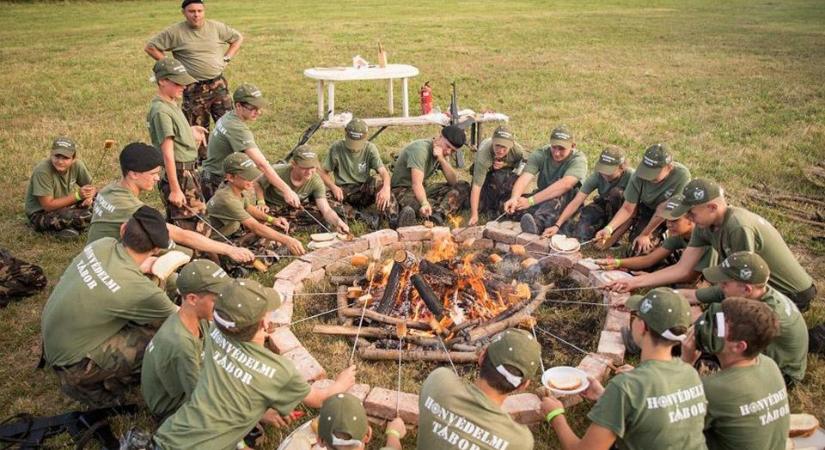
pixel 565 382
pixel 803 425
pixel 323 237
pixel 168 263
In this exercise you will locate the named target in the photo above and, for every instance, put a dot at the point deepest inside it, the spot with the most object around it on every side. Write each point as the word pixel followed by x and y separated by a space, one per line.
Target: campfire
pixel 443 306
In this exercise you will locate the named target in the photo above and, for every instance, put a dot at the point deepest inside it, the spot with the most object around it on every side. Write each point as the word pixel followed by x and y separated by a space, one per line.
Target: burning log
pixel 438 272
pixel 376 354
pixel 485 331
pixel 428 296
pixel 403 260
pixel 376 316
pixel 374 332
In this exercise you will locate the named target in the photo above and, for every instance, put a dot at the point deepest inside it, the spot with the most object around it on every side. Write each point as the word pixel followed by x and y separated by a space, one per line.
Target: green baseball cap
pixel 672 208
pixel 515 348
pixel 662 309
pixel 700 191
pixel 745 267
pixel 342 414
pixel 504 137
pixel 172 69
pixel 561 136
pixel 243 302
pixel 201 275
pixel 609 160
pixel 355 137
pixel 656 157
pixel 305 157
pixel 249 93
pixel 240 164
pixel 709 329
pixel 64 146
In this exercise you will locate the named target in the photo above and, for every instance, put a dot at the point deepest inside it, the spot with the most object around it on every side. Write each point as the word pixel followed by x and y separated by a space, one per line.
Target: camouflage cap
pixel 672 208
pixel 355 133
pixel 561 136
pixel 662 309
pixel 64 146
pixel 710 329
pixel 504 137
pixel 249 93
pixel 305 157
pixel 342 414
pixel 656 157
pixel 171 69
pixel 700 191
pixel 745 267
pixel 239 164
pixel 201 275
pixel 243 302
pixel 609 160
pixel 516 348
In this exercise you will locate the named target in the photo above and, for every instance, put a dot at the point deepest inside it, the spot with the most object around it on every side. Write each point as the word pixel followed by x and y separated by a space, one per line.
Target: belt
pixel 212 80
pixel 191 165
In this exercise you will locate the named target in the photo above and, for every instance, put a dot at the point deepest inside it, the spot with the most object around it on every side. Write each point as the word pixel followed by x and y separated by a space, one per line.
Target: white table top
pixel 364 73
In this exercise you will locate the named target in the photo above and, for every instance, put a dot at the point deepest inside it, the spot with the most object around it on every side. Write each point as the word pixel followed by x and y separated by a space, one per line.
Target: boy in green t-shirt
pixel 241 382
pixel 173 357
pixel 343 425
pixel 747 399
pixel 60 193
pixel 498 163
pixel 659 404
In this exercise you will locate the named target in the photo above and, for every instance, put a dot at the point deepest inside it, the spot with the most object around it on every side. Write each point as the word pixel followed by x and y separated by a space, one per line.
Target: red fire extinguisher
pixel 426 98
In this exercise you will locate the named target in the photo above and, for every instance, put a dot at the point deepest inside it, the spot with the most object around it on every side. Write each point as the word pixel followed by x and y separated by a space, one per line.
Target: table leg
pixel 331 98
pixel 390 99
pixel 321 99
pixel 405 96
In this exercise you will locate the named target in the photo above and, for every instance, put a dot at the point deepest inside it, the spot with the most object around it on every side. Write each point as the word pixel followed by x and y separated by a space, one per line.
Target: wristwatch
pixel 226 59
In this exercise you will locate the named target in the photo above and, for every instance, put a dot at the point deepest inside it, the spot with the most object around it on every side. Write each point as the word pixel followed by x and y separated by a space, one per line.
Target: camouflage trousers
pixel 204 100
pixel 638 223
pixel 18 278
pixel 547 213
pixel 210 183
pixel 267 252
pixel 299 219
pixel 445 200
pixel 359 202
pixel 496 191
pixel 190 184
pixel 75 216
pixel 597 214
pixel 104 376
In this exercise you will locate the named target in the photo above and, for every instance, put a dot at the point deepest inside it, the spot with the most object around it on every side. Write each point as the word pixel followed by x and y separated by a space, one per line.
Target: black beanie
pixel 139 157
pixel 454 135
pixel 186 3
pixel 153 223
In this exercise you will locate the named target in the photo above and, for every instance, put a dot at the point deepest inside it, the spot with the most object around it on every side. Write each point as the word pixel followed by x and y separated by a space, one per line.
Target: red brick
pixel 533 242
pixel 381 403
pixel 321 257
pixel 523 408
pixel 282 340
pixel 482 244
pixel 462 234
pixel 414 233
pixel 439 233
pixel 316 276
pixel 616 298
pixel 360 391
pixel 307 365
pixel 616 320
pixel 501 235
pixel 594 367
pixel 603 277
pixel 283 315
pixel 285 288
pixel 295 272
pixel 380 238
pixel 564 260
pixel 611 346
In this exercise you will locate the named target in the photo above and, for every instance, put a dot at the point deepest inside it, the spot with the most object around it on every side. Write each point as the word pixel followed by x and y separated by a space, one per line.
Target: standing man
pixel 201 46
pixel 498 163
pixel 180 185
pixel 419 161
pixel 60 192
pixel 559 167
pixel 346 173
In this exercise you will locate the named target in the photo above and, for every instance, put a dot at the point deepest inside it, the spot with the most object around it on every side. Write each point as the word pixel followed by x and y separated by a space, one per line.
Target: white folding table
pixel 330 75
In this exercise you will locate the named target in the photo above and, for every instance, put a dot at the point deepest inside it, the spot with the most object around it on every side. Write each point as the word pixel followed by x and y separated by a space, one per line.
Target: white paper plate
pixel 564 371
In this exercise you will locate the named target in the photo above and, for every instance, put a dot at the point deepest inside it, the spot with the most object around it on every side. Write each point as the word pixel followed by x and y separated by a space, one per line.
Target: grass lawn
pixel 735 88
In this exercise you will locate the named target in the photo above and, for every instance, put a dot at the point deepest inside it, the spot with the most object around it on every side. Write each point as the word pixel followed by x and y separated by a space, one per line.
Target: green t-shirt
pixel 200 50
pixel 313 188
pixel 100 292
pixel 742 230
pixel 231 135
pixel 596 182
pixel 651 194
pixel 416 155
pixel 113 206
pixel 659 404
pixel 227 210
pixel 454 413
pixel 674 243
pixel 171 365
pixel 238 382
pixel 541 164
pixel 165 120
pixel 47 182
pixel 351 167
pixel 483 163
pixel 790 348
pixel 748 408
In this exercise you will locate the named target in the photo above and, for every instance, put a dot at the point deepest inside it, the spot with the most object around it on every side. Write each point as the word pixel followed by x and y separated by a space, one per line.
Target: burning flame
pixel 443 250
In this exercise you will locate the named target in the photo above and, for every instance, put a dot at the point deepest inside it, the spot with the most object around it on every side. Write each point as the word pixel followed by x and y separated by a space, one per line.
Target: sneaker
pixel 528 224
pixel 437 218
pixel 407 217
pixel 629 344
pixel 67 234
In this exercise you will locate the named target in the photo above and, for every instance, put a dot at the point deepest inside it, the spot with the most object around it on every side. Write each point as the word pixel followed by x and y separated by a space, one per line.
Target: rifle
pixel 305 137
pixel 29 432
pixel 459 153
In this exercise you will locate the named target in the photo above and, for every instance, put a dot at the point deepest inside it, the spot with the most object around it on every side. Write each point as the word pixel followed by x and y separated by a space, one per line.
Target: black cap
pixel 152 222
pixel 186 3
pixel 139 157
pixel 454 135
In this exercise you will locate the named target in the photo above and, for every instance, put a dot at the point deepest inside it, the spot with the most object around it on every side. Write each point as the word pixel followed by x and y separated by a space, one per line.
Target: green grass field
pixel 735 88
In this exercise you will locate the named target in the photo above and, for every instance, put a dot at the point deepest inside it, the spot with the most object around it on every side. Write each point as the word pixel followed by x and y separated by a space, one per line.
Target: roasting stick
pixel 447 352
pixel 316 220
pixel 401 331
pixel 316 315
pixel 579 349
pixel 360 321
pixel 533 327
pixel 206 222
